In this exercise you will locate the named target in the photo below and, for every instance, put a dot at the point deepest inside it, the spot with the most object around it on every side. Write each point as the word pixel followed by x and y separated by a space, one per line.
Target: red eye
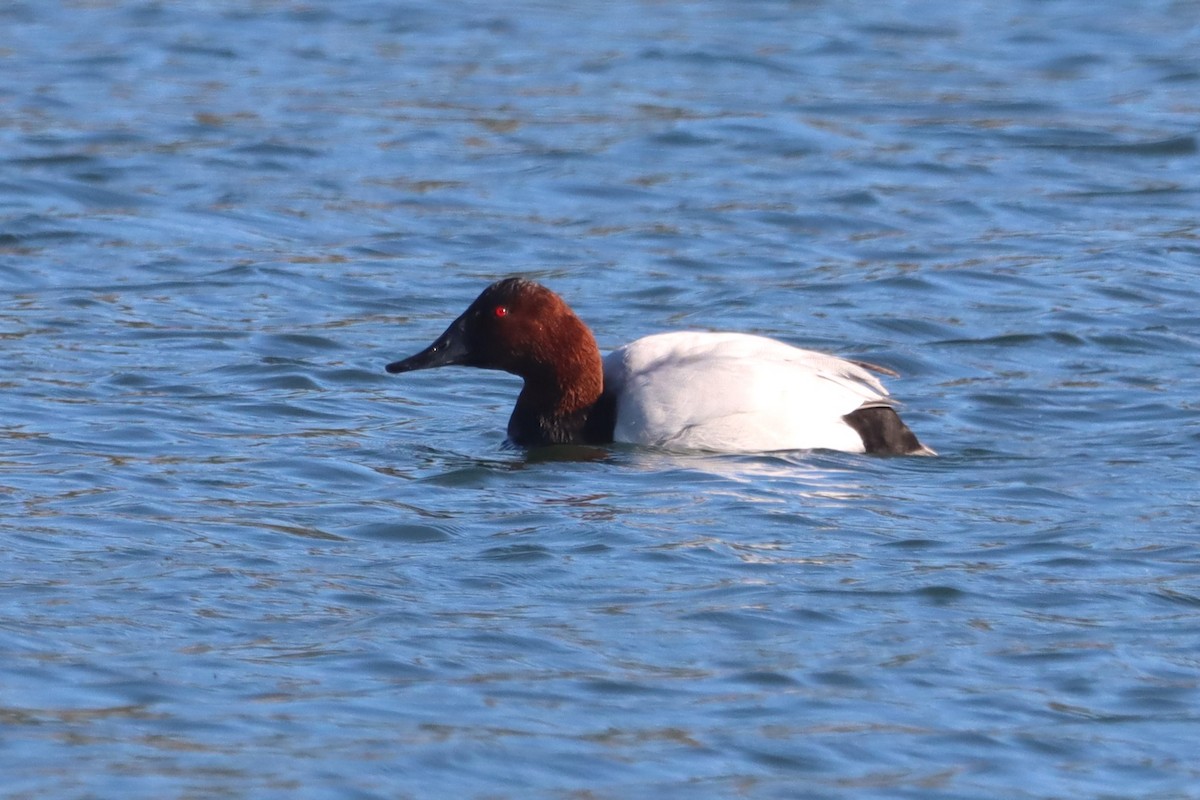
pixel 501 311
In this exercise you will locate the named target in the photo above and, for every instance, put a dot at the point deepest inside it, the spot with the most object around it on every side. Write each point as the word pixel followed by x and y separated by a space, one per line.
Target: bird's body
pixel 689 390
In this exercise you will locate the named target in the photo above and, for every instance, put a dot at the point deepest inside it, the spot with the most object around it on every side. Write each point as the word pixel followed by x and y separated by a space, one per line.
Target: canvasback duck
pixel 722 392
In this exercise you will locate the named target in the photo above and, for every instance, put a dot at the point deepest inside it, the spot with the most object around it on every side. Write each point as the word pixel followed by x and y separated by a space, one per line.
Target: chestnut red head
pixel 515 325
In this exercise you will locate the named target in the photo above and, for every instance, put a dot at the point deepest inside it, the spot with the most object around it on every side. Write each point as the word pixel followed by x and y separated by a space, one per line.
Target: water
pixel 239 560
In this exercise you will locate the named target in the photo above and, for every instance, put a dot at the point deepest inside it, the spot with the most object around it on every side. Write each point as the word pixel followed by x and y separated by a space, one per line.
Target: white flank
pixel 730 392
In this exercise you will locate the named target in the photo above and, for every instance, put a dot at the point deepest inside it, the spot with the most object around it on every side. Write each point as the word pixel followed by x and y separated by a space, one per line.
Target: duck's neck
pixel 561 400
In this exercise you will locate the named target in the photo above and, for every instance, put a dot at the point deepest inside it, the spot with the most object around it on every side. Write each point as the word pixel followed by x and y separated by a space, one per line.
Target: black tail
pixel 883 431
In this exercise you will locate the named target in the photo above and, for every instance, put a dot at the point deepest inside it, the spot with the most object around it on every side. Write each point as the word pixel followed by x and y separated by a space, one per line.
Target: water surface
pixel 237 559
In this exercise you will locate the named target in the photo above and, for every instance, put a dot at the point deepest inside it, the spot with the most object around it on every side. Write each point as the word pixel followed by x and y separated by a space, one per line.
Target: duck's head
pixel 515 325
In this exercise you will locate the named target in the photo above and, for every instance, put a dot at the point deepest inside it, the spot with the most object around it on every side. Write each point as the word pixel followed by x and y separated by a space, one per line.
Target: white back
pixel 735 392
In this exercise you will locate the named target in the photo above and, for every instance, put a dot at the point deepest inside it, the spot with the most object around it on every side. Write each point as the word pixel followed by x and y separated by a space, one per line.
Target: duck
pixel 684 390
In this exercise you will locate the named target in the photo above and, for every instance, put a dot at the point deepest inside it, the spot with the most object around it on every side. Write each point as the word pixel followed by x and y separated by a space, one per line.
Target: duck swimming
pixel 690 390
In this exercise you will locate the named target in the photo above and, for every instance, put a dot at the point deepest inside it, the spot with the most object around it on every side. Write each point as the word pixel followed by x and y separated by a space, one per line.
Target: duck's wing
pixel 735 392
pixel 891 373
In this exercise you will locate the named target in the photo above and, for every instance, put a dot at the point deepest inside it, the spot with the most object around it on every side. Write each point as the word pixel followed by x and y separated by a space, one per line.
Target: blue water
pixel 238 560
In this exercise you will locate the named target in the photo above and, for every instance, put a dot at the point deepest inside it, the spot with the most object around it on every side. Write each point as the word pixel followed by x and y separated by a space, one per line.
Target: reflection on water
pixel 237 558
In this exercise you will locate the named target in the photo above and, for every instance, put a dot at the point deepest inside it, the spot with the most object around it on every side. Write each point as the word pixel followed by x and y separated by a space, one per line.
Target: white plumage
pixel 735 392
